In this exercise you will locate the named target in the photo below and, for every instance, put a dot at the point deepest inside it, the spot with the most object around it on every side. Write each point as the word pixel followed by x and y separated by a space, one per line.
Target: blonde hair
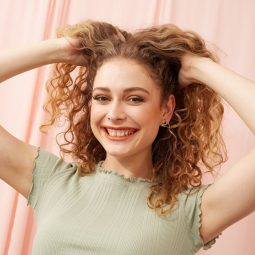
pixel 194 140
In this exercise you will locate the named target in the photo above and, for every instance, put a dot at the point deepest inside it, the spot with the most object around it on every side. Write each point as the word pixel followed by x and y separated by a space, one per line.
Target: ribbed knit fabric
pixel 107 213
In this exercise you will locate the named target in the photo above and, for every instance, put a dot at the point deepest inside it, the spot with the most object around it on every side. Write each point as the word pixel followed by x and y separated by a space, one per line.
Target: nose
pixel 116 112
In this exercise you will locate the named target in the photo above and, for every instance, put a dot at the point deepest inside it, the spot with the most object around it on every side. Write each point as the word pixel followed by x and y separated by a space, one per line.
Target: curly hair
pixel 194 139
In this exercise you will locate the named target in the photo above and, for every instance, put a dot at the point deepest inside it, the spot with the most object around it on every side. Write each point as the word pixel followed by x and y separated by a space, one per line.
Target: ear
pixel 168 109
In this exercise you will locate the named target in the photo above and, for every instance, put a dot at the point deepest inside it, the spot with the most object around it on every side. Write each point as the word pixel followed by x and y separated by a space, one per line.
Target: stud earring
pixel 165 124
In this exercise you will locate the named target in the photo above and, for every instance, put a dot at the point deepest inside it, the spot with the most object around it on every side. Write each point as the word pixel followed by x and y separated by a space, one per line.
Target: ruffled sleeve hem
pixel 30 196
pixel 209 244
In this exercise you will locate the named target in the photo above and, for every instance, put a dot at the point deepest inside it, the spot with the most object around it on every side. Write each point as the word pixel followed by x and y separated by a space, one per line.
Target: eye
pixel 137 99
pixel 100 98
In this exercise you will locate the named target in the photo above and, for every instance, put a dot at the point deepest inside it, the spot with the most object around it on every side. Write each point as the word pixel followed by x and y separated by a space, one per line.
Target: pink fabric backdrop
pixel 227 26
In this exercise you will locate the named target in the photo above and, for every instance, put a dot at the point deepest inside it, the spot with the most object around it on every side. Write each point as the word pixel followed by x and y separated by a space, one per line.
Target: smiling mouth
pixel 118 134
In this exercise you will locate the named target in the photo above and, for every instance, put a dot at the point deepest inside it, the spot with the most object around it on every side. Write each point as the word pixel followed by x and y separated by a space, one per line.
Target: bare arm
pixel 233 195
pixel 16 162
pixel 238 91
pixel 19 60
pixel 17 157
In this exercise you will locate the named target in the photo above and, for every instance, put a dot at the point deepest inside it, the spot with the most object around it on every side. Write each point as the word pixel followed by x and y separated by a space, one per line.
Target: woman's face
pixel 125 108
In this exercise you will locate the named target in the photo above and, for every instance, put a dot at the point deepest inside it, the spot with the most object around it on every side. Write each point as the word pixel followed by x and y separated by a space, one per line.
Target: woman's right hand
pixel 68 51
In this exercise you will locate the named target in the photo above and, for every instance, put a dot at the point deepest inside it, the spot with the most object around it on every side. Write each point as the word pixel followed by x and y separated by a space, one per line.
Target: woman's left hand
pixel 189 72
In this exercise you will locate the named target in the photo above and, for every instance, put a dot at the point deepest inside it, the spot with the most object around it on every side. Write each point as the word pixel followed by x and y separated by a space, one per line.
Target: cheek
pixel 95 117
pixel 96 113
pixel 150 115
pixel 151 121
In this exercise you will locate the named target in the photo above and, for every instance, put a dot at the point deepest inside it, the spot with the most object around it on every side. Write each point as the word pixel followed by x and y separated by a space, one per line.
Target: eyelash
pixel 98 97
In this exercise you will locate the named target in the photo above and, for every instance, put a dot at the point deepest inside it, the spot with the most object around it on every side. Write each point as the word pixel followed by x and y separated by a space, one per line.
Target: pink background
pixel 226 25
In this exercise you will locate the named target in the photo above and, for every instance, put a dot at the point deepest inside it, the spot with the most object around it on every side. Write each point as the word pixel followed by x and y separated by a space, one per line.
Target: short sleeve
pixel 193 217
pixel 46 165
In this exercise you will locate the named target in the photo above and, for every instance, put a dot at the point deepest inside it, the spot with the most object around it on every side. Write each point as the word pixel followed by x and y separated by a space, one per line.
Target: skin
pixel 117 108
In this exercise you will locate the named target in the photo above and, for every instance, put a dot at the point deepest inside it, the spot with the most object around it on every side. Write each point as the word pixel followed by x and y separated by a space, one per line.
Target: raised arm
pixel 17 157
pixel 238 91
pixel 19 60
pixel 231 197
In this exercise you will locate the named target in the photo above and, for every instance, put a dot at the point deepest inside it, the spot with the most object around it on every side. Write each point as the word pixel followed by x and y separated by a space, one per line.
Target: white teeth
pixel 113 132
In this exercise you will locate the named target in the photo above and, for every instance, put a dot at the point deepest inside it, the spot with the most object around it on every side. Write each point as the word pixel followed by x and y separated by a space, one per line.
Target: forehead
pixel 124 73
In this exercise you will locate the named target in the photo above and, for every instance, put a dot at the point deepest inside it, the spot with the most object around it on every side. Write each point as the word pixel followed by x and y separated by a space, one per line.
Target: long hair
pixel 194 139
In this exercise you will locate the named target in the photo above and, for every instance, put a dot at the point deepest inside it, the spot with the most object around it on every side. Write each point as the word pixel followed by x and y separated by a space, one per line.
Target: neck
pixel 133 166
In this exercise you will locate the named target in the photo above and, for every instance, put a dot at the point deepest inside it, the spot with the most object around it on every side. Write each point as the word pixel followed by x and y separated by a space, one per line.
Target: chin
pixel 117 153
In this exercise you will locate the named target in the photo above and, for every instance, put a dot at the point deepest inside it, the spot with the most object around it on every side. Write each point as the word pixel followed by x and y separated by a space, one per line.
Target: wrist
pixel 200 68
pixel 54 51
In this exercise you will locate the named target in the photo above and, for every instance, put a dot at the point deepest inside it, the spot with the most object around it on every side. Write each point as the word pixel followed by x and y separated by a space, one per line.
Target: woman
pixel 143 114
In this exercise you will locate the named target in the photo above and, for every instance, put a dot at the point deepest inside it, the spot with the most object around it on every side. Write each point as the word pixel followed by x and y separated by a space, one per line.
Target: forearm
pixel 16 61
pixel 238 91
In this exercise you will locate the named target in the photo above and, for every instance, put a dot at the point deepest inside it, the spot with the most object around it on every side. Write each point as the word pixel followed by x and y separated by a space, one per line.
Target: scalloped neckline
pixel 100 169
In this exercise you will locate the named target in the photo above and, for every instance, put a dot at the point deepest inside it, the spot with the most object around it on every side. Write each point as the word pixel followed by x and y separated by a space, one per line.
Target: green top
pixel 107 213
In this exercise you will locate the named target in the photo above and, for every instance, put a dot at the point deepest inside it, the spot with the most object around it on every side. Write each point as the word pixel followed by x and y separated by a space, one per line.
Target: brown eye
pixel 100 98
pixel 136 99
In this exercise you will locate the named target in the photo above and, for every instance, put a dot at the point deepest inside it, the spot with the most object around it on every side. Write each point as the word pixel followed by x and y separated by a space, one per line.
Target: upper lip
pixel 119 128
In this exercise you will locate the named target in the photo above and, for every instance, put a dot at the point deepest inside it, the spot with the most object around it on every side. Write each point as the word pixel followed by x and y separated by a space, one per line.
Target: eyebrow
pixel 125 90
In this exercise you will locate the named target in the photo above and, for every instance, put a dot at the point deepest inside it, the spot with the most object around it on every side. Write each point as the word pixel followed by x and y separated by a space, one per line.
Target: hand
pixel 190 71
pixel 69 52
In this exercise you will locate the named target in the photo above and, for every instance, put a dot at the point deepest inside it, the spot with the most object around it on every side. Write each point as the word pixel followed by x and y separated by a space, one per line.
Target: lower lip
pixel 117 138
